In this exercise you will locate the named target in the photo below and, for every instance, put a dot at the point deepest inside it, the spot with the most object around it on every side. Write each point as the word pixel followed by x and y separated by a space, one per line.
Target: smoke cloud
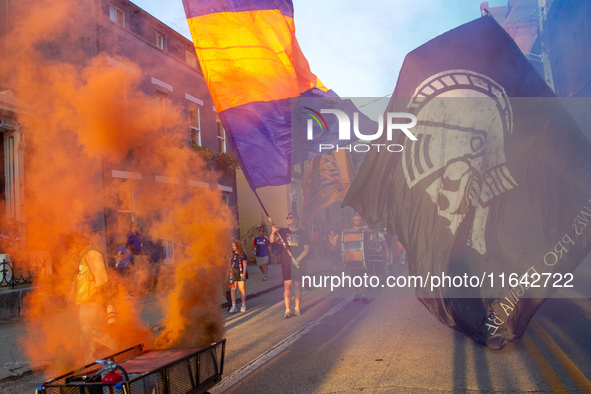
pixel 85 116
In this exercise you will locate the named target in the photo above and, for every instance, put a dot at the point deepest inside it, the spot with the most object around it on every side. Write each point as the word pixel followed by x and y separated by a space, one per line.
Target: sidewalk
pixel 14 363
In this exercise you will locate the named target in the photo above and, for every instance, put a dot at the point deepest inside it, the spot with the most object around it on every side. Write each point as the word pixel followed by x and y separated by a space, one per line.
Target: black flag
pixel 493 198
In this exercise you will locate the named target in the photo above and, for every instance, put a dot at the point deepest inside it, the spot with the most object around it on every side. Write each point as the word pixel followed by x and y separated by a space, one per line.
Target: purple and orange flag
pixel 253 67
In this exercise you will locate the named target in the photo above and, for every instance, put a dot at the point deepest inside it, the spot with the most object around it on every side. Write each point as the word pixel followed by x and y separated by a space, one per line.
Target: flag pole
pixel 273 224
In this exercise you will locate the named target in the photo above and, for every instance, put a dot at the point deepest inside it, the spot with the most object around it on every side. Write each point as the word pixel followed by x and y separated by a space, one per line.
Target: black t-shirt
pixel 295 241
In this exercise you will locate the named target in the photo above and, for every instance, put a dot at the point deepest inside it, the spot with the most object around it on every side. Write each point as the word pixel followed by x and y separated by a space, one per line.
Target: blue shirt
pixel 236 261
pixel 261 246
pixel 133 239
pixel 126 260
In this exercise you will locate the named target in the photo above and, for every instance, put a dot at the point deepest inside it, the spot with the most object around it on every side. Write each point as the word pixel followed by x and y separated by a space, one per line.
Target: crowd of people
pixel 358 250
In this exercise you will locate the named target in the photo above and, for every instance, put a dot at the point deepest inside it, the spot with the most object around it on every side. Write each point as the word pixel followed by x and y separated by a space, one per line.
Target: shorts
pixel 290 272
pixel 236 275
pixel 262 260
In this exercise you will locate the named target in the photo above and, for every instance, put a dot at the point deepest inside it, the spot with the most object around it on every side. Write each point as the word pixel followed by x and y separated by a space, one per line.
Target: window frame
pixel 159 40
pixel 226 198
pixel 115 14
pixel 195 130
pixel 163 98
pixel 221 138
pixel 191 58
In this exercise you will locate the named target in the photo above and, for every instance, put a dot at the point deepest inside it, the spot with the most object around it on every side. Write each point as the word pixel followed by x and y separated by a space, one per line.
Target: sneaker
pixel 264 278
pixel 243 308
pixel 233 309
pixel 357 297
pixel 297 312
pixel 287 313
pixel 364 300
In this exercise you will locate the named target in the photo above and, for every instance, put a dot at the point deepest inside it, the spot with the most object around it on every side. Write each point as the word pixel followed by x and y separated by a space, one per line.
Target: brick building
pixel 164 63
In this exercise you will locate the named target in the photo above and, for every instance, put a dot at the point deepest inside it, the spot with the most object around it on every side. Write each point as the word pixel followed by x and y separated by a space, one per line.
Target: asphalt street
pixel 388 345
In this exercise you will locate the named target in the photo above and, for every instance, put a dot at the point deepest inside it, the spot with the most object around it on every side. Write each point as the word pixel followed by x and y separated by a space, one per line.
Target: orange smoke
pixel 194 315
pixel 84 116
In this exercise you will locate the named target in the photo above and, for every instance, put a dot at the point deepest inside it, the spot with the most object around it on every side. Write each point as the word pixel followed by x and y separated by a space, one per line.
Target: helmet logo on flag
pixel 463 120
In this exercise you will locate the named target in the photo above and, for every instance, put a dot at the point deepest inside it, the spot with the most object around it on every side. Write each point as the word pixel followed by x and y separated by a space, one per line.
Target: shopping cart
pixel 138 371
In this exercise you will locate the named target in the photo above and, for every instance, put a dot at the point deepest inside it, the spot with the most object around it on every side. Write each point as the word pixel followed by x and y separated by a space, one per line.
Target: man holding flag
pixel 487 187
pixel 293 266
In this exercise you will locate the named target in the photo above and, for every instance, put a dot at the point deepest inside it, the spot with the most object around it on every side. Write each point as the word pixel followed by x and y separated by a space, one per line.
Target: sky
pixel 356 48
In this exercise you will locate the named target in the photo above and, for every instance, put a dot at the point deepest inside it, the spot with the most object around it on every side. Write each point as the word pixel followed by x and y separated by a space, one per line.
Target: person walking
pixel 238 275
pixel 277 248
pixel 262 251
pixel 140 268
pixel 294 267
pixel 333 244
pixel 354 249
pixel 123 265
pixel 134 242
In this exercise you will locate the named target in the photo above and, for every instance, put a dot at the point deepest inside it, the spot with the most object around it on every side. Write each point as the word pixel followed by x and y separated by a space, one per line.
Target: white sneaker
pixel 287 313
pixel 243 308
pixel 297 312
pixel 233 309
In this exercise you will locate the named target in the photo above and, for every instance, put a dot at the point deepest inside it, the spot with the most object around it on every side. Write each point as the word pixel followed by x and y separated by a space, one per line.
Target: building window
pixel 125 204
pixel 159 40
pixel 162 100
pixel 221 136
pixel 195 125
pixel 191 59
pixel 116 15
pixel 226 198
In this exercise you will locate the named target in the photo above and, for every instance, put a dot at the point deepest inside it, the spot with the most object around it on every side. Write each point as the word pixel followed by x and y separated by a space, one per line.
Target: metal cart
pixel 168 371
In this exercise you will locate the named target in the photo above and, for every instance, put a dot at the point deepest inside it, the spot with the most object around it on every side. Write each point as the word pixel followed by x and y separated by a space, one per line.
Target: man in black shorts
pixel 293 267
